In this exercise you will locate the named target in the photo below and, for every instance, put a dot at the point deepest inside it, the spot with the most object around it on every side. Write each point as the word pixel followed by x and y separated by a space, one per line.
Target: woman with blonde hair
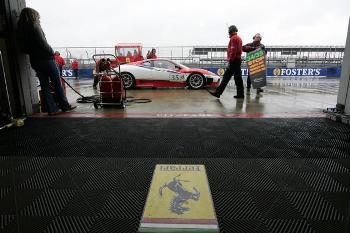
pixel 33 42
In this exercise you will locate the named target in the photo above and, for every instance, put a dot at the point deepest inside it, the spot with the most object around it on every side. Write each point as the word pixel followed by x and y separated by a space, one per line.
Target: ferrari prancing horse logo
pixel 182 196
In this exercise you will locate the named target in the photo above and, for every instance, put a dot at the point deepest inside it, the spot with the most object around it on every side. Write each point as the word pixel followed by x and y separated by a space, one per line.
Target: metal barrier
pixel 208 56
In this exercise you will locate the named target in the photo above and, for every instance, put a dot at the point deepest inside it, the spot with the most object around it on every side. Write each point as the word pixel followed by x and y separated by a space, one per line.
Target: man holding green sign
pixel 256 62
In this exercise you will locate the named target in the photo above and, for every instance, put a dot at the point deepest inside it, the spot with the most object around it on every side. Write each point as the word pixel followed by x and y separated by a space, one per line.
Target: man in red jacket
pixel 234 52
pixel 59 61
pixel 75 67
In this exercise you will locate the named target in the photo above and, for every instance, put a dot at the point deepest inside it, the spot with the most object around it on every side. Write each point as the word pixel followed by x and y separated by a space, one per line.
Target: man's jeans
pixel 234 68
pixel 46 71
pixel 249 82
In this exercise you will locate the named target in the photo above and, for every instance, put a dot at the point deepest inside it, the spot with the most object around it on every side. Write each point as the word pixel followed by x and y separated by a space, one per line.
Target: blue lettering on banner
pixel 298 72
pixel 245 72
pixel 83 73
pixel 67 73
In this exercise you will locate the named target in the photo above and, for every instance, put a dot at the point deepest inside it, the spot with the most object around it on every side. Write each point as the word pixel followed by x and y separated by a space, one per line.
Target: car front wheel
pixel 196 81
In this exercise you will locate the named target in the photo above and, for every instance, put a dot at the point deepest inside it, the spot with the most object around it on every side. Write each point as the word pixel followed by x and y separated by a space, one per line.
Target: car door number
pixel 177 77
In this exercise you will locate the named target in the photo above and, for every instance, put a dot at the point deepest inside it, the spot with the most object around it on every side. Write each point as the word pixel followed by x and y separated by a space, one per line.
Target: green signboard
pixel 256 61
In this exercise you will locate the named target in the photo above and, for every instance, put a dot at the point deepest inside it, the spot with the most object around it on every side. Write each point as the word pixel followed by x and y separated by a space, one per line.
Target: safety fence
pixel 215 56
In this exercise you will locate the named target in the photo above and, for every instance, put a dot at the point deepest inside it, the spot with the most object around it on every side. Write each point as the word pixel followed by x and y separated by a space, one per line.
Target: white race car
pixel 165 73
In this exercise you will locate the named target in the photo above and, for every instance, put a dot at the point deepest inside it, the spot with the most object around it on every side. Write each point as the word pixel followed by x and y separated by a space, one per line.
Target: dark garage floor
pixel 92 175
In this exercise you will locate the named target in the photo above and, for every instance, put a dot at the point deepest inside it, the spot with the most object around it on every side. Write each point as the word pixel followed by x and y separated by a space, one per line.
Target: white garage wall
pixel 344 87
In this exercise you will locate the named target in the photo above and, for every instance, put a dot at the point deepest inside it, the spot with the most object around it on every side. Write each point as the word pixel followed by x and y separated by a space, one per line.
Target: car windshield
pixel 182 66
pixel 165 64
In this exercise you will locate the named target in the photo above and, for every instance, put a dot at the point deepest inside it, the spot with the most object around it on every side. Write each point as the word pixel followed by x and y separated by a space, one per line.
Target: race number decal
pixel 177 77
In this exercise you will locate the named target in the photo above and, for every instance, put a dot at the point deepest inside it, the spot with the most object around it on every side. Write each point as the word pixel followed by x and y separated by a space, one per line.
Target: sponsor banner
pixel 298 72
pixel 256 62
pixel 83 73
pixel 179 200
pixel 333 72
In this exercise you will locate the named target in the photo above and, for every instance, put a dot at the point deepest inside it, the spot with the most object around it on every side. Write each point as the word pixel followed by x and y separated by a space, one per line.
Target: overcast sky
pixel 192 22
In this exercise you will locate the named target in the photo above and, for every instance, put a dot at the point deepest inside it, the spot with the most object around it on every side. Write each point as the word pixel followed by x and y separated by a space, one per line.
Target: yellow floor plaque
pixel 179 200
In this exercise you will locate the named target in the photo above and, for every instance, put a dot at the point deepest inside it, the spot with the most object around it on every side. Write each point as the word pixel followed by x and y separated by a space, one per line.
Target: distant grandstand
pixel 279 56
pixel 215 56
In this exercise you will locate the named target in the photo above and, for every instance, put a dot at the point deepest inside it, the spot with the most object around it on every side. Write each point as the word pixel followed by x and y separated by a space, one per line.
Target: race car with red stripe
pixel 165 73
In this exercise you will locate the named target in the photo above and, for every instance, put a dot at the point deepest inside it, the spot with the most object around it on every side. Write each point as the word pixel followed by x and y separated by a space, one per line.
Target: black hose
pixel 95 98
pixel 88 99
pixel 130 99
pixel 83 99
pixel 73 88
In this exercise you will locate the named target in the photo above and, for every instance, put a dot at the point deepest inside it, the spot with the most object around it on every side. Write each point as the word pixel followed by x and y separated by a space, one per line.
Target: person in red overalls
pixel 59 61
pixel 75 67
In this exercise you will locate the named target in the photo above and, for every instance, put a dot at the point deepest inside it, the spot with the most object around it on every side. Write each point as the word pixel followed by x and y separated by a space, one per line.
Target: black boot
pixel 215 94
pixel 240 94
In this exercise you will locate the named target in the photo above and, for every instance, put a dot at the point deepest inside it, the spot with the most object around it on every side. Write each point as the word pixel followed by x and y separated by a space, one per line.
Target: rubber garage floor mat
pixel 92 175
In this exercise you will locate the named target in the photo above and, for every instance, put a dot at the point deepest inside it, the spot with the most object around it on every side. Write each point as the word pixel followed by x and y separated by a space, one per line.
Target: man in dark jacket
pixel 256 44
pixel 234 52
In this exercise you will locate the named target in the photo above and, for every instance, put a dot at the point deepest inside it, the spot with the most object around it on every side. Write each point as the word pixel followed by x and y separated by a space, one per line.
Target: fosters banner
pixel 332 72
pixel 257 67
